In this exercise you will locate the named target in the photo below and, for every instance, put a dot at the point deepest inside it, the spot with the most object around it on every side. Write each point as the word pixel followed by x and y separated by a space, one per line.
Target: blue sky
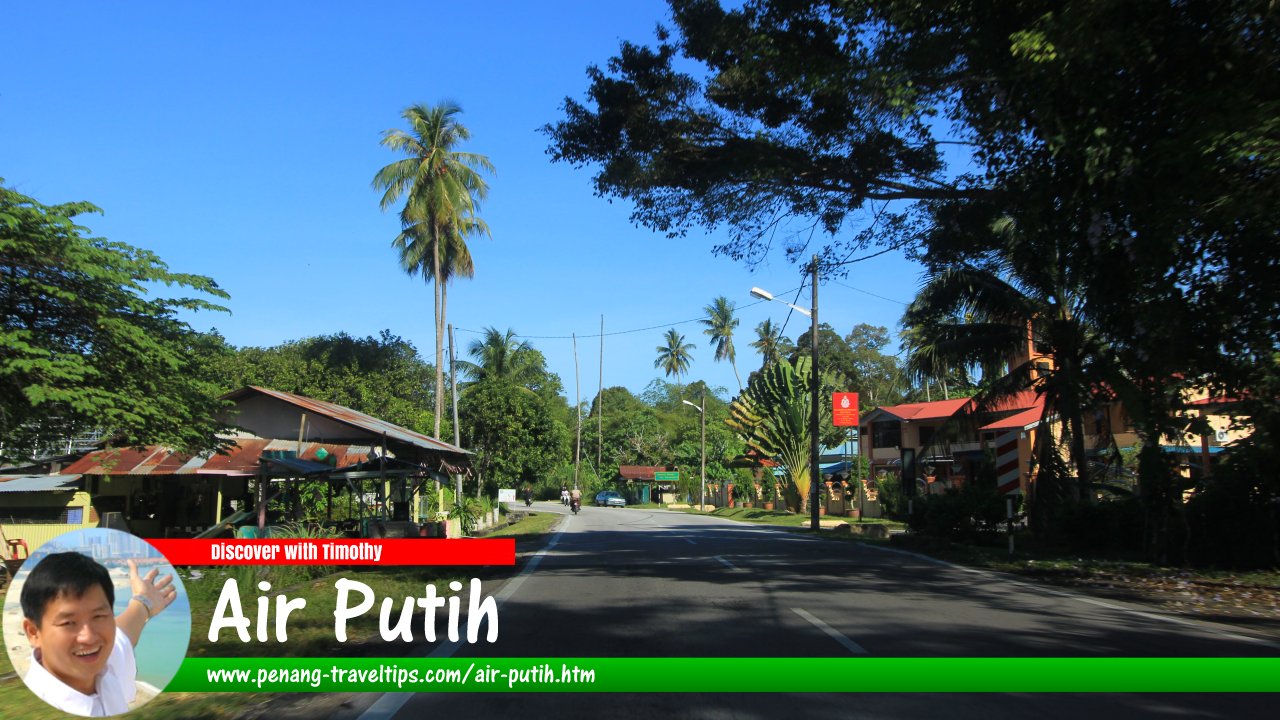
pixel 237 140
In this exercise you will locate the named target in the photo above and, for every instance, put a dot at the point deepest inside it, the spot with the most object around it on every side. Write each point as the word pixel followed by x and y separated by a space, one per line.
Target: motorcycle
pixel 528 500
pixel 576 505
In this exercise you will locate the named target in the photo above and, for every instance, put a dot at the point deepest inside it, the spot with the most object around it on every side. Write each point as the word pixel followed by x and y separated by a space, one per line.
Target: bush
pixel 964 515
pixel 1113 526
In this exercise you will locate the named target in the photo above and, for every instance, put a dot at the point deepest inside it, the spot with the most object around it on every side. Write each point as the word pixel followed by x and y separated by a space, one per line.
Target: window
pixel 41 515
pixel 926 436
pixel 887 434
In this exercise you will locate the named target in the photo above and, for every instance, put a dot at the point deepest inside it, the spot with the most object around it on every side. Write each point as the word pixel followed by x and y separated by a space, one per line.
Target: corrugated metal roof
pixel 1024 420
pixel 639 472
pixel 354 418
pixel 38 483
pixel 241 459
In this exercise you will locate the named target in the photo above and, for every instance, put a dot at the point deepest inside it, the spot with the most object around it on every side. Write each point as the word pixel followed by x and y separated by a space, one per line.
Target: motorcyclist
pixel 575 499
pixel 564 495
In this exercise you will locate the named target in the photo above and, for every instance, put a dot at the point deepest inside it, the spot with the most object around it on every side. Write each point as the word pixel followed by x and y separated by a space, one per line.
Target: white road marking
pixel 390 703
pixel 836 635
pixel 726 563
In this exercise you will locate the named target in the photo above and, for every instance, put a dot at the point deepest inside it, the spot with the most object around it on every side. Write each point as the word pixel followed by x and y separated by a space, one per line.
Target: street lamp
pixel 702 411
pixel 812 313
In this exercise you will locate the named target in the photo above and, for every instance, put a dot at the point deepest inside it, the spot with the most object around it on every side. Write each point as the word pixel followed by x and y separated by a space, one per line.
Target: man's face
pixel 75 637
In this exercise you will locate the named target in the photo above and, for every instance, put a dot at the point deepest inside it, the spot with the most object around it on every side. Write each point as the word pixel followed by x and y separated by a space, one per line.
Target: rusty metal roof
pixel 241 459
pixel 354 418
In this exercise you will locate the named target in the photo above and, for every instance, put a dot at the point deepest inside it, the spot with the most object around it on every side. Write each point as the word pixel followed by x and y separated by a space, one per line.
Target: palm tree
pixel 443 188
pixel 501 356
pixel 674 358
pixel 982 316
pixel 772 416
pixel 770 343
pixel 720 323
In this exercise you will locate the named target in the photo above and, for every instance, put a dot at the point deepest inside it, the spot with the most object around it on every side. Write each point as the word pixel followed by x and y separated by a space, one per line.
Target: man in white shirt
pixel 82 664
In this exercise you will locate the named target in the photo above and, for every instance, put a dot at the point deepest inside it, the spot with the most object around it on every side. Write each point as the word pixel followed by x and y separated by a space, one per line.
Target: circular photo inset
pixel 96 622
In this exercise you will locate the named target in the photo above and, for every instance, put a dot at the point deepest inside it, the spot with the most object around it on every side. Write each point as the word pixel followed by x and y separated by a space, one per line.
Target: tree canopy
pixel 1142 136
pixel 86 345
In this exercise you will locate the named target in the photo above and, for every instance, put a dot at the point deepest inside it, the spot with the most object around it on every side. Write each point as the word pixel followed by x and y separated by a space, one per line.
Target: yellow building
pixel 34 509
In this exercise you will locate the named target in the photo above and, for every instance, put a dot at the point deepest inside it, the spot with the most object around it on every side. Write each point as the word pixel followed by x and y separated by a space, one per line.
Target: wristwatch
pixel 146 604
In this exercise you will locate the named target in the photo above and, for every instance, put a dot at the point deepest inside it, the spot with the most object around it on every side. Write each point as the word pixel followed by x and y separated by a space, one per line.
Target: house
pixel 943 443
pixel 37 508
pixel 641 484
pixel 282 438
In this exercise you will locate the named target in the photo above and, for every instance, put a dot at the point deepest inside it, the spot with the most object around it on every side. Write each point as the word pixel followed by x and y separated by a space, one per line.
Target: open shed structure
pixel 282 440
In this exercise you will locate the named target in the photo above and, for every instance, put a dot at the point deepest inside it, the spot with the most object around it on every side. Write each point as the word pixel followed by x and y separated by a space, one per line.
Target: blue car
pixel 610 498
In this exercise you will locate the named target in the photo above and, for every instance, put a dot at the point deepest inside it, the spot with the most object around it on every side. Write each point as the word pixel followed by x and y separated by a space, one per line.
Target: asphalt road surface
pixel 641 583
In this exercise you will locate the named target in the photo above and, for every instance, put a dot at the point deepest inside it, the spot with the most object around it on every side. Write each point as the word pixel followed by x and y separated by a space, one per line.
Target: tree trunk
pixel 439 297
pixel 738 377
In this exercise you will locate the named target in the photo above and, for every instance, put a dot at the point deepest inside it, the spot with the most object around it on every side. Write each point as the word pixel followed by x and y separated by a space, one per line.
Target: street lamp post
pixel 702 412
pixel 815 473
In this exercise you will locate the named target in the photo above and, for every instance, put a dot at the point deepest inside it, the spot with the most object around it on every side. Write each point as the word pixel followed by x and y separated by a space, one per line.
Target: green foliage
pixel 1157 216
pixel 879 378
pixel 773 415
pixel 770 343
pixel 893 501
pixel 467 513
pixel 84 344
pixel 964 515
pixel 721 323
pixel 673 355
pixel 514 434
pixel 836 357
pixel 383 376
pixel 443 188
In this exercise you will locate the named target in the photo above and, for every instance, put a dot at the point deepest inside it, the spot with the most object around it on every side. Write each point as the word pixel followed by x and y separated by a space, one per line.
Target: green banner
pixel 689 675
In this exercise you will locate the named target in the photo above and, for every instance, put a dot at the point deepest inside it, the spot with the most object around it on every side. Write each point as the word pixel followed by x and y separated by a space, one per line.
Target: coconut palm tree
pixel 442 187
pixel 986 316
pixel 673 357
pixel 502 356
pixel 720 324
pixel 770 343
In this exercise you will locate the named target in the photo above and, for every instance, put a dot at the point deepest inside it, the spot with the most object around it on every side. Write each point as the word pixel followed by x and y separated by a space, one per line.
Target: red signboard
pixel 844 409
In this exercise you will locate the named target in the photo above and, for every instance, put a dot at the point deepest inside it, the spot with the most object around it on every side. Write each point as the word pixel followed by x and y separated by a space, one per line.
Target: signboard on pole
pixel 844 409
pixel 666 477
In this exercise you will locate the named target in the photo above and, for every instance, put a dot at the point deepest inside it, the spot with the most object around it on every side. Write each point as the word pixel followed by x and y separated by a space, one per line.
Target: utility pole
pixel 704 452
pixel 815 472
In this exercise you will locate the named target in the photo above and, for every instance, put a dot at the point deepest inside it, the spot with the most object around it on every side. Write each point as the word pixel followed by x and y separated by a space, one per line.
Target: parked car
pixel 610 498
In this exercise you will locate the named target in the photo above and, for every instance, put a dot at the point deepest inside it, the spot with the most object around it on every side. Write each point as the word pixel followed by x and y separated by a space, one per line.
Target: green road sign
pixel 667 476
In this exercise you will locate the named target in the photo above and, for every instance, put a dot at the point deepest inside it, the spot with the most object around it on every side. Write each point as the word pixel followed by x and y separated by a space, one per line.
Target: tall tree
pixel 503 356
pixel 85 344
pixel 770 343
pixel 514 434
pixel 720 324
pixel 382 376
pixel 674 357
pixel 1141 137
pixel 442 187
pixel 1024 322
pixel 879 375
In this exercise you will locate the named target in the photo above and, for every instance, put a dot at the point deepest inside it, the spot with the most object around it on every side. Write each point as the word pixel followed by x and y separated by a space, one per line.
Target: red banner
pixel 296 551
pixel 844 409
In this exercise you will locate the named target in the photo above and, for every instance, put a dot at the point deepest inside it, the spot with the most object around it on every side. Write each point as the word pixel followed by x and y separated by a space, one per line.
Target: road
pixel 639 583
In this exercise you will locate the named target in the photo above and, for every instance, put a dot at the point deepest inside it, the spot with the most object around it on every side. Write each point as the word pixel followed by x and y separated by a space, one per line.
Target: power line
pixel 866 292
pixel 618 332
